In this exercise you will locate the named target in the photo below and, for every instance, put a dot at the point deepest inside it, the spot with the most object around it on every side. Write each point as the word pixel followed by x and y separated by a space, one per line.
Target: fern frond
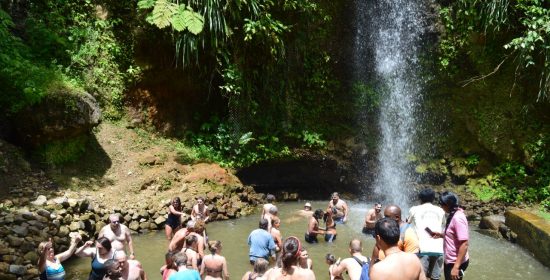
pixel 179 23
pixel 146 4
pixel 163 12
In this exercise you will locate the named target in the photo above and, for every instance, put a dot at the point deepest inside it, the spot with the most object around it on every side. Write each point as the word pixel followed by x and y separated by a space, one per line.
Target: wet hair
pixel 178 201
pixel 334 194
pixel 260 266
pixel 318 214
pixel 214 245
pixel 330 258
pixel 273 210
pixel 200 198
pixel 426 195
pixel 291 252
pixel 111 269
pixel 263 224
pixel 180 259
pixel 169 260
pixel 270 198
pixel 450 200
pixel 388 230
pixel 190 240
pixel 105 243
pixel 41 248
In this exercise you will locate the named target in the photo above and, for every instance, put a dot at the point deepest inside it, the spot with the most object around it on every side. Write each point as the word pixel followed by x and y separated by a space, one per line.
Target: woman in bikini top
pixel 192 255
pixel 260 267
pixel 214 266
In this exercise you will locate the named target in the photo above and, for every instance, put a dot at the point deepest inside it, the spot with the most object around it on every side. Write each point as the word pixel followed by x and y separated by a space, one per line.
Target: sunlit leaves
pixel 167 13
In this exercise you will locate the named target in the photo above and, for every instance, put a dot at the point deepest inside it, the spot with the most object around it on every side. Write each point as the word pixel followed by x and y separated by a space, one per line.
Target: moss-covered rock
pixel 533 233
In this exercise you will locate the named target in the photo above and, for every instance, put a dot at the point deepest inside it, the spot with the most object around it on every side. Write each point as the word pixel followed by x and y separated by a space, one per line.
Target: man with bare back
pixel 176 244
pixel 341 207
pixel 354 264
pixel 397 265
pixel 118 234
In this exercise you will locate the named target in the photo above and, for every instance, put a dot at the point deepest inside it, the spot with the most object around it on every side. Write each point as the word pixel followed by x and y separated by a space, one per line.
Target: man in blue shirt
pixel 183 272
pixel 261 243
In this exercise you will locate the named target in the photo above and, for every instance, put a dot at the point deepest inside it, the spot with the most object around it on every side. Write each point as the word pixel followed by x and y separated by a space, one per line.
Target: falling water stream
pixel 395 36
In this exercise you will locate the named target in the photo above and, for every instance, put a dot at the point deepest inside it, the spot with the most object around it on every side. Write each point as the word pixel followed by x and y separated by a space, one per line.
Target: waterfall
pixel 394 37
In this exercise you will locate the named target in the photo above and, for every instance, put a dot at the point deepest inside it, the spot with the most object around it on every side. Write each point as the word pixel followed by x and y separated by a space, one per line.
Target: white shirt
pixel 427 215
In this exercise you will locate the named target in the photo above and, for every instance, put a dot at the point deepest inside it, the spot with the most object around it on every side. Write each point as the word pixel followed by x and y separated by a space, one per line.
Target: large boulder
pixel 59 116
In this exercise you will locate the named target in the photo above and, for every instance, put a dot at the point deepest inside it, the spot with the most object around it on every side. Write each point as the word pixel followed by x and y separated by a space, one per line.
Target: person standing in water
pixel 118 234
pixel 430 217
pixel 372 216
pixel 290 269
pixel 397 265
pixel 341 206
pixel 49 264
pixel 456 237
pixel 313 227
pixel 173 222
pixel 330 225
pixel 200 211
pixel 102 252
pixel 183 272
pixel 214 266
pixel 265 208
pixel 261 243
pixel 130 269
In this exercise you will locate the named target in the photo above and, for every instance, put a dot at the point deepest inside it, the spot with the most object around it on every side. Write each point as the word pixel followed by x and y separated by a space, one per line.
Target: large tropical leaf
pixel 163 12
pixel 146 4
pixel 179 22
pixel 194 21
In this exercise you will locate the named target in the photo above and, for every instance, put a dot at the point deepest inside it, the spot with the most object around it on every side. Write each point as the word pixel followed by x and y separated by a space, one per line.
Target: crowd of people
pixel 425 245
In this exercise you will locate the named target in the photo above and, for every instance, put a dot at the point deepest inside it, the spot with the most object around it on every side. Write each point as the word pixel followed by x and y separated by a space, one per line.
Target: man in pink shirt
pixel 456 236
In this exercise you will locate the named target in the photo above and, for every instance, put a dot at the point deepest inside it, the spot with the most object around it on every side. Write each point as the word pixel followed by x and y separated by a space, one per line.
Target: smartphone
pixel 429 231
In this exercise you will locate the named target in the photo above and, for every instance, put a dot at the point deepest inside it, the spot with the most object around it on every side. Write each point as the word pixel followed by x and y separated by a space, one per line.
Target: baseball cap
pixel 307 205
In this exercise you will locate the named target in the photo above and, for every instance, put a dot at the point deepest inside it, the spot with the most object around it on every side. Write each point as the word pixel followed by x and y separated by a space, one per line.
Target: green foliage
pixel 167 13
pixel 526 22
pixel 61 152
pixel 217 141
pixel 312 139
pixel 23 81
pixel 367 97
pixel 513 182
pixel 471 161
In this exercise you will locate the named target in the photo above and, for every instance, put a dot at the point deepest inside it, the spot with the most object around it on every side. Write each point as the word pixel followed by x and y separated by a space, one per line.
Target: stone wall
pixel 533 233
pixel 24 224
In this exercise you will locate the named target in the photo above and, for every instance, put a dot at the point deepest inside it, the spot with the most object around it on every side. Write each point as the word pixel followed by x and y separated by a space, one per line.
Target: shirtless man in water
pixel 397 265
pixel 353 265
pixel 265 209
pixel 130 269
pixel 341 206
pixel 372 216
pixel 176 244
pixel 118 234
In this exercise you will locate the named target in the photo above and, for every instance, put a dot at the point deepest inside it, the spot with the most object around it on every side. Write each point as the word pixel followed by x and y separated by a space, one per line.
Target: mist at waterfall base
pixel 388 40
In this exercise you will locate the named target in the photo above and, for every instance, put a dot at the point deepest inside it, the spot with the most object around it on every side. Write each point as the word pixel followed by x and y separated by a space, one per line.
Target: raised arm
pixel 69 252
pixel 85 250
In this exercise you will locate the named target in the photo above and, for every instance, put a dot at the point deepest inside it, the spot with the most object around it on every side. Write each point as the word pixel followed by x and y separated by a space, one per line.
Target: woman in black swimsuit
pixel 174 217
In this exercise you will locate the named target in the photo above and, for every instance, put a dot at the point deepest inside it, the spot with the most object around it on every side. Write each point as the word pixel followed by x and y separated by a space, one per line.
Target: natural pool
pixel 489 258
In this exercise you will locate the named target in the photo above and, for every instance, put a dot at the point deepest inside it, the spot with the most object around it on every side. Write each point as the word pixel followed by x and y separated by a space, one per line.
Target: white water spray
pixel 396 41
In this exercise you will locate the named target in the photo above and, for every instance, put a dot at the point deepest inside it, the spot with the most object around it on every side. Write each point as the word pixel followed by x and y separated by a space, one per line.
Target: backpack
pixel 364 268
